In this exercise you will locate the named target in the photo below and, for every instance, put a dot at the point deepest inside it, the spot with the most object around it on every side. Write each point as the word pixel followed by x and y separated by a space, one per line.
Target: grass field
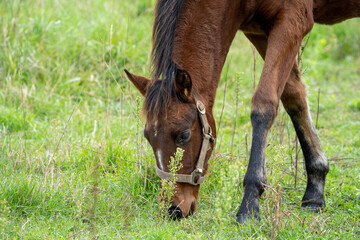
pixel 75 165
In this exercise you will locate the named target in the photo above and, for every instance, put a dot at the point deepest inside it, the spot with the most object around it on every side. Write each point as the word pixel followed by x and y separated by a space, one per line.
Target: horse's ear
pixel 183 83
pixel 141 83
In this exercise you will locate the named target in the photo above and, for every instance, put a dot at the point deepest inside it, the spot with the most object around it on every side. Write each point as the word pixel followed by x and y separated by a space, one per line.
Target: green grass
pixel 74 163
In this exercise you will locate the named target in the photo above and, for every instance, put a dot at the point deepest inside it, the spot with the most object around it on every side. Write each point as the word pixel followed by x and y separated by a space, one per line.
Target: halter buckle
pixel 200 107
pixel 194 174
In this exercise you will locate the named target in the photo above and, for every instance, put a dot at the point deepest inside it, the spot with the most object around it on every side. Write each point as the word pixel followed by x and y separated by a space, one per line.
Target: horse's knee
pixel 264 100
pixel 263 109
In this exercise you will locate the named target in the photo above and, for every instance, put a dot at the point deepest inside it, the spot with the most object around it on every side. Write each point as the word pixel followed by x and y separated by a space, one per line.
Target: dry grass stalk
pixel 317 110
pixel 218 143
pixel 275 212
pixel 296 161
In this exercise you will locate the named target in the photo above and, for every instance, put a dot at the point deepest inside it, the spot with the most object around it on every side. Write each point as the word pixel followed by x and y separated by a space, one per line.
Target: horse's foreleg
pixel 294 101
pixel 254 178
pixel 281 45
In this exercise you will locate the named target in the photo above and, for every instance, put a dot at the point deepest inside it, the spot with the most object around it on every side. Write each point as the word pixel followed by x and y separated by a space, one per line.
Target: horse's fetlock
pixel 256 184
pixel 319 167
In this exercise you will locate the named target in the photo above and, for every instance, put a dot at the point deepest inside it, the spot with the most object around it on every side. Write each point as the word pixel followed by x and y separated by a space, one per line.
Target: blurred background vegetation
pixel 74 163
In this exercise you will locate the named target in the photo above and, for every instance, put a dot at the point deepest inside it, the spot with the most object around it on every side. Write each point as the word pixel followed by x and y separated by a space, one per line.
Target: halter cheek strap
pixel 195 178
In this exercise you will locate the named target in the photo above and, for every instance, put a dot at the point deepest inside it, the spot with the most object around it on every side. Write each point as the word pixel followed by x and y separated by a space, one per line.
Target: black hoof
pixel 247 219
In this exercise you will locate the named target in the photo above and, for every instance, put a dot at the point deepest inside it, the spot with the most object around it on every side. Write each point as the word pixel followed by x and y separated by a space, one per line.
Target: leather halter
pixel 195 178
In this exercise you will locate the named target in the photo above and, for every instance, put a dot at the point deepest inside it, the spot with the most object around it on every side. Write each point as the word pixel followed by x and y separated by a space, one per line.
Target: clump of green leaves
pixel 4 213
pixel 355 105
pixel 227 192
pixel 167 190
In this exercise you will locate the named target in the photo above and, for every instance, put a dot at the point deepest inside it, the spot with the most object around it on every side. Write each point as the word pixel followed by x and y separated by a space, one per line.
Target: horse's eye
pixel 183 137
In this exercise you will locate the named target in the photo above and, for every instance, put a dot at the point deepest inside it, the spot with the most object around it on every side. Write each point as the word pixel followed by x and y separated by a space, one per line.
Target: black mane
pixel 166 16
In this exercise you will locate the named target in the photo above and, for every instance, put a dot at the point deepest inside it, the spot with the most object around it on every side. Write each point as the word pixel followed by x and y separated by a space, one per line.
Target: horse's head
pixel 178 121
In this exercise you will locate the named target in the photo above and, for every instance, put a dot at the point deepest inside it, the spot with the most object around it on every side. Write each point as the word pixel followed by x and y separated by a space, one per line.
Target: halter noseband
pixel 195 178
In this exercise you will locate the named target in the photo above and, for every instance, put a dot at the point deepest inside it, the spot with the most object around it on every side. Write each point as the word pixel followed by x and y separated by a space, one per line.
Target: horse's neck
pixel 203 38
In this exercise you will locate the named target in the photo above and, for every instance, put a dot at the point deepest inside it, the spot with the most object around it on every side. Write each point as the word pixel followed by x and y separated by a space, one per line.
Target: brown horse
pixel 191 39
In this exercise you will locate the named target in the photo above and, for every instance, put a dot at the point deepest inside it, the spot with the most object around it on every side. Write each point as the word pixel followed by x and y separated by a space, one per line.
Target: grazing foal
pixel 191 39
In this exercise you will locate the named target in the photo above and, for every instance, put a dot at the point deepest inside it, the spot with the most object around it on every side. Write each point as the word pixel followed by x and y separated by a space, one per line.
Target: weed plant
pixel 168 186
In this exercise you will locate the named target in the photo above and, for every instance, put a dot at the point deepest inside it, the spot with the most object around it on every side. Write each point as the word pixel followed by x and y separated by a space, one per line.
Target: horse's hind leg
pixel 294 101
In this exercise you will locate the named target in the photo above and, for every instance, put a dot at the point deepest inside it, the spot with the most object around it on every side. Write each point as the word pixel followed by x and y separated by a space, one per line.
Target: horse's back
pixel 261 15
pixel 335 11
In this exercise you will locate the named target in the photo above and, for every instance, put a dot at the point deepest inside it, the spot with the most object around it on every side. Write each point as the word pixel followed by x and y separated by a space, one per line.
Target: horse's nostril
pixel 192 209
pixel 175 213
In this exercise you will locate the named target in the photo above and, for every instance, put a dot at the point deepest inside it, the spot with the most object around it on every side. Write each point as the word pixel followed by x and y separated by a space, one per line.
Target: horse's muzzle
pixel 175 213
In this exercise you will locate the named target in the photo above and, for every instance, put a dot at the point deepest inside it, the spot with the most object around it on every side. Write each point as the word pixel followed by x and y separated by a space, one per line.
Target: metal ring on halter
pixel 194 174
pixel 212 139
